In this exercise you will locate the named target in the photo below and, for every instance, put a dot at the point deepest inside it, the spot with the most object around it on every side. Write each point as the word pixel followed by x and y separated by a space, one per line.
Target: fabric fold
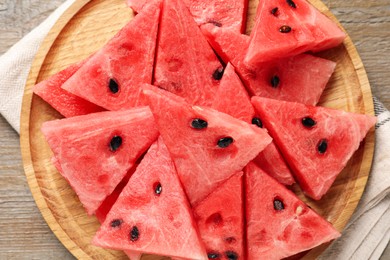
pixel 15 66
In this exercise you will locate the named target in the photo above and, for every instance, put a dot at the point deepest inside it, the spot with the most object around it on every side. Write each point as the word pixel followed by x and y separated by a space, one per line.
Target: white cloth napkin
pixel 15 66
pixel 368 232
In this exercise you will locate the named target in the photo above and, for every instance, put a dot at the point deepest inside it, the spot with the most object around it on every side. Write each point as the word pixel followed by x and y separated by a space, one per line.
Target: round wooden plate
pixel 85 27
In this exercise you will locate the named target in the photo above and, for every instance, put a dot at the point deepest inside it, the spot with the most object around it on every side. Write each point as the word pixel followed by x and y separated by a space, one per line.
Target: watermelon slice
pixel 96 151
pixel 321 136
pixel 152 214
pixel 301 78
pixel 185 63
pixel 232 99
pixel 64 102
pixel 287 28
pixel 207 146
pixel 111 77
pixel 273 163
pixel 105 207
pixel 220 220
pixel 278 223
pixel 223 13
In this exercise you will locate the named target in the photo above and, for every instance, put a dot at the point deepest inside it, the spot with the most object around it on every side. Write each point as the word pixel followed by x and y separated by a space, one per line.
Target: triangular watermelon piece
pixel 152 214
pixel 105 207
pixel 64 102
pixel 96 151
pixel 185 63
pixel 278 223
pixel 221 222
pixel 272 162
pixel 111 77
pixel 207 146
pixel 316 142
pixel 287 28
pixel 232 99
pixel 301 78
pixel 223 13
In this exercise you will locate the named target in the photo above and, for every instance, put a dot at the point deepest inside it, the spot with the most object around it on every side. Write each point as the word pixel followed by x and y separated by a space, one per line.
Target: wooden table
pixel 23 232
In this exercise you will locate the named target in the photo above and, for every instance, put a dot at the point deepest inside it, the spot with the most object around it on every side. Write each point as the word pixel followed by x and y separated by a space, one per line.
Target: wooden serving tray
pixel 85 27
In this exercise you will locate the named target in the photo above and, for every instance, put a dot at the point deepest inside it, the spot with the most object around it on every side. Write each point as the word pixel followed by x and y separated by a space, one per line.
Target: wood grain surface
pixel 24 234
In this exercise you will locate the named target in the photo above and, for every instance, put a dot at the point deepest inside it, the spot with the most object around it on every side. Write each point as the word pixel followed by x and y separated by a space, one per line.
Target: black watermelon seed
pixel 157 188
pixel 213 255
pixel 257 121
pixel 115 143
pixel 113 86
pixel 198 123
pixel 291 3
pixel 230 240
pixel 308 122
pixel 215 23
pixel 134 234
pixel 278 204
pixel 218 73
pixel 231 255
pixel 322 146
pixel 116 223
pixel 215 219
pixel 275 11
pixel 275 81
pixel 225 142
pixel 285 29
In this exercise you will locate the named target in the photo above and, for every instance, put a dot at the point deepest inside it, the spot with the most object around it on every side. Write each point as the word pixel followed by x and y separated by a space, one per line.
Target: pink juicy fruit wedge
pixel 232 99
pixel 94 152
pixel 152 214
pixel 105 207
pixel 272 162
pixel 279 224
pixel 301 78
pixel 185 63
pixel 223 13
pixel 313 137
pixel 220 218
pixel 207 146
pixel 111 77
pixel 64 102
pixel 288 28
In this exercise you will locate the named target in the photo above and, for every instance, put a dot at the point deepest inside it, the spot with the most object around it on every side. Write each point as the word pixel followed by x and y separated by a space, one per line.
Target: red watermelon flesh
pixel 278 223
pixel 220 220
pixel 301 78
pixel 96 151
pixel 293 28
pixel 326 33
pixel 185 63
pixel 223 13
pixel 313 137
pixel 111 77
pixel 105 207
pixel 272 162
pixel 232 99
pixel 64 102
pixel 207 146
pixel 152 214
